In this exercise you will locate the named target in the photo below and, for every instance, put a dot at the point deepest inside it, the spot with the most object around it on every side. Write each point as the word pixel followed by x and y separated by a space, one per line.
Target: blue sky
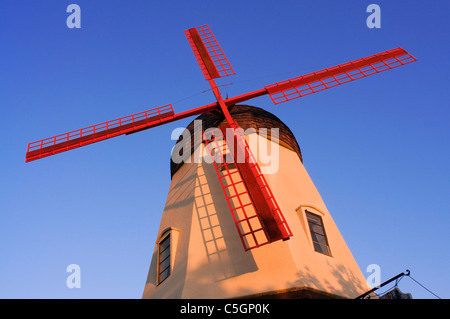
pixel 377 149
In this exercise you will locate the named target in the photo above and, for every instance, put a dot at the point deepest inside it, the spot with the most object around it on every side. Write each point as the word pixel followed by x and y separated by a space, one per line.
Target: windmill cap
pixel 247 117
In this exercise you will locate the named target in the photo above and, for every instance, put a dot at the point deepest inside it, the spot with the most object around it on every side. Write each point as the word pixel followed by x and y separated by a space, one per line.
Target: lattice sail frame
pixel 327 78
pixel 99 132
pixel 248 221
pixel 209 54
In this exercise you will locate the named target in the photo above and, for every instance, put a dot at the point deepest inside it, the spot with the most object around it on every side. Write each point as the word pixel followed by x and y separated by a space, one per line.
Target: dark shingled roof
pixel 247 117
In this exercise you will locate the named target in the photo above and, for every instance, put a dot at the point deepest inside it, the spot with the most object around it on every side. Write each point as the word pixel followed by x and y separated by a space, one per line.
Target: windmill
pixel 255 211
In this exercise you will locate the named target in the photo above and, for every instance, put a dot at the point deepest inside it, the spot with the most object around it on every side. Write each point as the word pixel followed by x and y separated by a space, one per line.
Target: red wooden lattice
pixel 324 79
pixel 95 133
pixel 259 221
pixel 207 51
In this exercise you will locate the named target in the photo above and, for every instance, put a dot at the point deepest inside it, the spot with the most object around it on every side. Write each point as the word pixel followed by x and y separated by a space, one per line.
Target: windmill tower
pixel 198 253
pixel 231 229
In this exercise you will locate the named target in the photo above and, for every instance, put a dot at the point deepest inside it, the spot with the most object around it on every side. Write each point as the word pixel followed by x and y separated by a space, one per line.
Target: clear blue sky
pixel 377 149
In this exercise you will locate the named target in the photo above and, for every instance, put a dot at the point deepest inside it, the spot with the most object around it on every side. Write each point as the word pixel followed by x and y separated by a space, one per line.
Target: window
pixel 318 235
pixel 164 259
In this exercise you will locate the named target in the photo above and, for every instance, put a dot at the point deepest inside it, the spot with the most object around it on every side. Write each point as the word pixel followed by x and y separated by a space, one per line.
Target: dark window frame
pixel 318 234
pixel 164 254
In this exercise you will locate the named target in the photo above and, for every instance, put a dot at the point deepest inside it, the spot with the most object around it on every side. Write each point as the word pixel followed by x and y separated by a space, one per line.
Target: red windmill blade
pixel 262 204
pixel 258 218
pixel 324 79
pixel 208 53
pixel 255 211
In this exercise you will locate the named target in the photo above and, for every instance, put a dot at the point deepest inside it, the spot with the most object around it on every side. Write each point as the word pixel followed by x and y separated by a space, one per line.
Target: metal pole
pixel 406 273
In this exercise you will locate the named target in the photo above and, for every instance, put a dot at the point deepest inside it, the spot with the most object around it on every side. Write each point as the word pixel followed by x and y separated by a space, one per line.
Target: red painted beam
pixel 208 53
pixel 324 79
pixel 326 74
pixel 96 133
pixel 245 97
pixel 263 200
pixel 256 193
pixel 203 53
